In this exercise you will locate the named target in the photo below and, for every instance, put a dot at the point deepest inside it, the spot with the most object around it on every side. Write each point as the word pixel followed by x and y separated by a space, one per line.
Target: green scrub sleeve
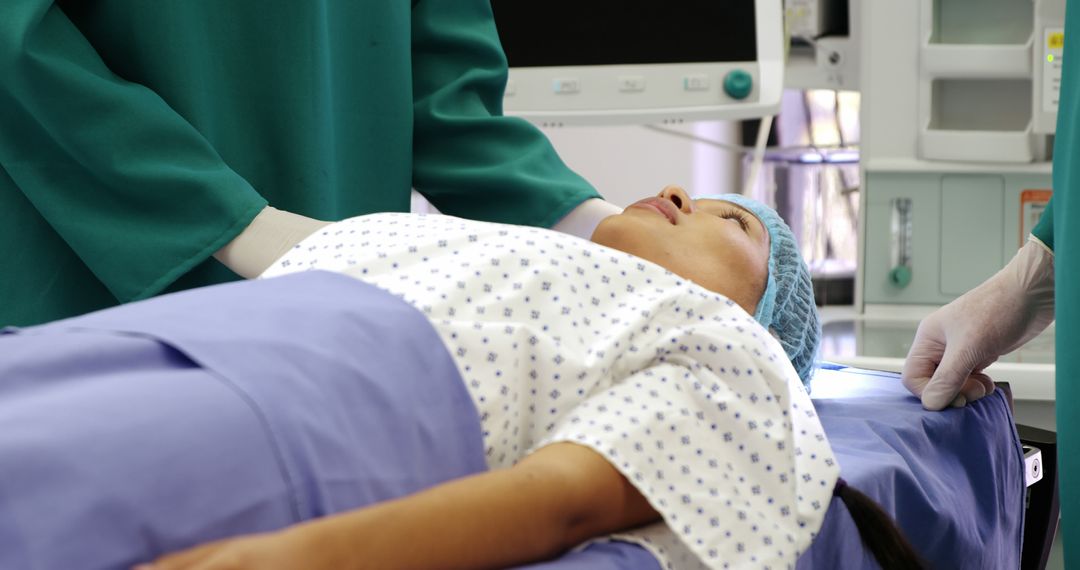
pixel 128 184
pixel 469 160
pixel 1044 230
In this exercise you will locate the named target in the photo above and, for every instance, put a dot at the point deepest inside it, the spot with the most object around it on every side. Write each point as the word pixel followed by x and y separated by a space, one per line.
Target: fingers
pixel 927 350
pixel 976 386
pixel 937 394
pixel 942 391
pixel 953 387
pixel 183 560
pixel 945 370
pixel 951 377
pixel 950 351
pixel 917 373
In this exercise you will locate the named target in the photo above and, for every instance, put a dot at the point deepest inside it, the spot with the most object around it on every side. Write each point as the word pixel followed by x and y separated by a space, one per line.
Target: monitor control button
pixel 696 82
pixel 631 84
pixel 738 84
pixel 567 85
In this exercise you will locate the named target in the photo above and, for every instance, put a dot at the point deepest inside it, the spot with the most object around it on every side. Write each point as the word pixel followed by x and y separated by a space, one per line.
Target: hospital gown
pixel 560 339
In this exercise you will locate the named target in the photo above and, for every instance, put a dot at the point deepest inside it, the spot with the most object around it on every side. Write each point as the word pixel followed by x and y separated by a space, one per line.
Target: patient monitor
pixel 641 61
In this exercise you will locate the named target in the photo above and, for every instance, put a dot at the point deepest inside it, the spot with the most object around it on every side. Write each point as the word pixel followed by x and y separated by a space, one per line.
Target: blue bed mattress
pixel 155 426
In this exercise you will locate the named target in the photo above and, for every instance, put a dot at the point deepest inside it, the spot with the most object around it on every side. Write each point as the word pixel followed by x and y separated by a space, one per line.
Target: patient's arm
pixel 552 500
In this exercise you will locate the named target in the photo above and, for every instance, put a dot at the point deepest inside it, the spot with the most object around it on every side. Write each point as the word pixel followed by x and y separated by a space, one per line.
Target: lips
pixel 659 205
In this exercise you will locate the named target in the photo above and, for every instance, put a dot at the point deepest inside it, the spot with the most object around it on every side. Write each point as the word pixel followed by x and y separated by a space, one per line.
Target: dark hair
pixel 878 531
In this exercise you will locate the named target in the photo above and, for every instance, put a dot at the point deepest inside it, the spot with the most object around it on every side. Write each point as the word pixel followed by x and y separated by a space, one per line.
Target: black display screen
pixel 541 33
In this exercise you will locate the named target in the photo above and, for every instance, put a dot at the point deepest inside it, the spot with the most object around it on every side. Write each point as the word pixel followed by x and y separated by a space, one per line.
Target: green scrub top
pixel 137 138
pixel 1056 230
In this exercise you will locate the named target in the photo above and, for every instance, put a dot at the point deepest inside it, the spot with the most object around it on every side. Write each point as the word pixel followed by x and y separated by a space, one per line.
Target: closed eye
pixel 733 214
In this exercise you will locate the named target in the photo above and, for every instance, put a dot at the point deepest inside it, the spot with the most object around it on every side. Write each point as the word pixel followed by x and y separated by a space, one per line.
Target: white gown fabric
pixel 560 339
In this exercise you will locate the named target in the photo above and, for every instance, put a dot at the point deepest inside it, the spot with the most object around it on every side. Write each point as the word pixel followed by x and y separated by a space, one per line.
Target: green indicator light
pixel 1050 58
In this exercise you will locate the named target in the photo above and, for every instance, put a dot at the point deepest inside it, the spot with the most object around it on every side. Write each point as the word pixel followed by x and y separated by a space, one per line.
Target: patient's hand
pixel 294 547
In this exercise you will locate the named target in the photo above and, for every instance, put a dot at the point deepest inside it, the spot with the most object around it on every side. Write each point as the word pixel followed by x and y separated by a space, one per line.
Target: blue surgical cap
pixel 787 306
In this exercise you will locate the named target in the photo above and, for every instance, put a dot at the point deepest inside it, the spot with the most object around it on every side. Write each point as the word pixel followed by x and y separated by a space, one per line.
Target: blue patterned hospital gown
pixel 560 339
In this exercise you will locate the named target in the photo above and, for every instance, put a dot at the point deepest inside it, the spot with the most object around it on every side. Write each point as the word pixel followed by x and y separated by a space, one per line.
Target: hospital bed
pixel 154 426
pixel 954 481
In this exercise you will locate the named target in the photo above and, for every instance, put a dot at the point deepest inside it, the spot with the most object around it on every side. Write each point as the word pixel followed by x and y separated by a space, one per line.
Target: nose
pixel 679 197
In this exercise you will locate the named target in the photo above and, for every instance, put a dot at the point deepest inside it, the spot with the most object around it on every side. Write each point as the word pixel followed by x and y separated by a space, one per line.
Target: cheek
pixel 755 270
pixel 633 236
pixel 752 264
pixel 740 272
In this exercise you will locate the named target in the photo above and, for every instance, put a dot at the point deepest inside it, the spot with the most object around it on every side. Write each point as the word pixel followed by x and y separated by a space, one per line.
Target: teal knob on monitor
pixel 900 276
pixel 738 84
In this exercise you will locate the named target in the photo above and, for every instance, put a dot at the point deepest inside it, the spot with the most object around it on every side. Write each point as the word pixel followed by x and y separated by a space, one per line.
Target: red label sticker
pixel 1032 204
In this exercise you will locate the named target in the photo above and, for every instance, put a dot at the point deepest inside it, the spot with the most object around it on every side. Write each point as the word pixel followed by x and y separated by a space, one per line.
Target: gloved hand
pixel 958 341
pixel 269 236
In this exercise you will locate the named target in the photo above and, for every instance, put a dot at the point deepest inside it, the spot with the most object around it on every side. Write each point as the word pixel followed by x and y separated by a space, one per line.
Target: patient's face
pixel 713 243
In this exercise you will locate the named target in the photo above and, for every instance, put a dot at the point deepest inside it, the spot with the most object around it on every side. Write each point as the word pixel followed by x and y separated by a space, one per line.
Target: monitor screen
pixel 549 33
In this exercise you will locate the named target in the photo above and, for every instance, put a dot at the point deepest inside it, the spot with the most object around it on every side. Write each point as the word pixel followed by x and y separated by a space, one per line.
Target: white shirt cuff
pixel 582 220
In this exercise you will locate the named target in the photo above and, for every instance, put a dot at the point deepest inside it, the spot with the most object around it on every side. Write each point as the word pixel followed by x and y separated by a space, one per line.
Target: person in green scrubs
pixel 141 140
pixel 1042 283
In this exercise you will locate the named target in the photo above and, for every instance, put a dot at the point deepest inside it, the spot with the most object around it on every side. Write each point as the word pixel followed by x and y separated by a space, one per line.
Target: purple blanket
pixel 953 480
pixel 151 427
pixel 246 407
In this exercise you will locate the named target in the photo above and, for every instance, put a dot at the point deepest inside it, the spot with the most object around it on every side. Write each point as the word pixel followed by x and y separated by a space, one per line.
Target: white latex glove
pixel 270 235
pixel 958 341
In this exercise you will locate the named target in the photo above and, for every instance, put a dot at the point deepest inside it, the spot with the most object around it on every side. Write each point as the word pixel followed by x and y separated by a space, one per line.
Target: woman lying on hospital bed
pixel 628 388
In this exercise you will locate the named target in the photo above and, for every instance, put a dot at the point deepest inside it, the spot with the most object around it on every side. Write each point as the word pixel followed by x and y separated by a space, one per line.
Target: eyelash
pixel 737 216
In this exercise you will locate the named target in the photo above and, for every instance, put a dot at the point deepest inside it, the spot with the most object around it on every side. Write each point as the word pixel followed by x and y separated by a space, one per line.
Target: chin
pixel 607 232
pixel 623 232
